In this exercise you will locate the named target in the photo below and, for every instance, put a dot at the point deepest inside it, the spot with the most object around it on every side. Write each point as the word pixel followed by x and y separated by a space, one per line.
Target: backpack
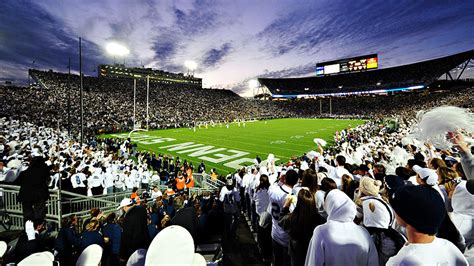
pixel 230 204
pixel 388 241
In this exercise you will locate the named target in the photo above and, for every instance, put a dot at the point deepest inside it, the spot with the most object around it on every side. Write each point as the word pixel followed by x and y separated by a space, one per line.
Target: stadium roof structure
pixel 406 77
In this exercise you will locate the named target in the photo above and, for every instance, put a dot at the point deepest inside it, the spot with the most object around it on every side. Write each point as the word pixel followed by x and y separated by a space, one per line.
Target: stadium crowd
pixel 108 104
pixel 372 185
pixel 378 105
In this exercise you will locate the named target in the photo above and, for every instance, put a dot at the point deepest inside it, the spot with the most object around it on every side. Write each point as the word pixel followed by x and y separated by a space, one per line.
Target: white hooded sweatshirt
pixel 438 252
pixel 340 241
pixel 463 212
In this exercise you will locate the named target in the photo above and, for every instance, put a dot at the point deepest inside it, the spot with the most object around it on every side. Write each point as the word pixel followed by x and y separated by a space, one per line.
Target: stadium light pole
pixel 134 102
pixel 190 65
pixel 320 106
pixel 147 99
pixel 81 92
pixel 69 98
pixel 330 105
pixel 253 84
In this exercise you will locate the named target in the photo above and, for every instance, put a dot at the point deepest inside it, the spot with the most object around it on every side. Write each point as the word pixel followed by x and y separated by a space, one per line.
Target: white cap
pixel 125 202
pixel 40 258
pixel 48 254
pixel 90 256
pixel 3 248
pixel 198 260
pixel 174 245
pixel 137 258
pixel 428 175
pixel 376 214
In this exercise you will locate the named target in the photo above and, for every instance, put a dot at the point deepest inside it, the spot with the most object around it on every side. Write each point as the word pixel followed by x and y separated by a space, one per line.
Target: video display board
pixel 354 64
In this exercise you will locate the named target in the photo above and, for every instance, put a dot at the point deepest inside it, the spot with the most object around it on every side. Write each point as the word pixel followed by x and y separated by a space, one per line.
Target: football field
pixel 228 148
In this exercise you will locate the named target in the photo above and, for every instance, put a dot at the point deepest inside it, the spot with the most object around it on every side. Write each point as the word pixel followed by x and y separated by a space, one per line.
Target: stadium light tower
pixel 253 84
pixel 190 65
pixel 116 49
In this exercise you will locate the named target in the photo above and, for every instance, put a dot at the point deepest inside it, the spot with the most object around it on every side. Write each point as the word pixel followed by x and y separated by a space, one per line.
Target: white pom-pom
pixel 407 141
pixel 312 154
pixel 270 158
pixel 344 145
pixel 319 141
pixel 435 124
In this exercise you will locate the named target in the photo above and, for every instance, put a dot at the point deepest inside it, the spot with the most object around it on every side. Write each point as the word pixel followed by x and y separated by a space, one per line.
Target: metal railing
pixel 14 208
pixel 64 203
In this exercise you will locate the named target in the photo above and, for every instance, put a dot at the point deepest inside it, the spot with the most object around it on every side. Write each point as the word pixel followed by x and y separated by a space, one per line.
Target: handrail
pixel 63 203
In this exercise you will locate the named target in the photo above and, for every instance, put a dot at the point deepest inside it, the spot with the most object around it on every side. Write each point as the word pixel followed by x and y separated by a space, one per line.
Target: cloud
pixel 215 56
pixel 36 38
pixel 233 41
pixel 350 28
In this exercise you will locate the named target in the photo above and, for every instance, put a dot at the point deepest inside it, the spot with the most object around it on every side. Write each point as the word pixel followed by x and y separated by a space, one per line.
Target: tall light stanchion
pixel 147 100
pixel 330 106
pixel 81 92
pixel 134 102
pixel 69 98
pixel 60 206
pixel 320 106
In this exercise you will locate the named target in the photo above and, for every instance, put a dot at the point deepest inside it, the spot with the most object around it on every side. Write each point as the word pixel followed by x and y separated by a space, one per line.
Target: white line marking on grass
pixel 297 137
pixel 278 142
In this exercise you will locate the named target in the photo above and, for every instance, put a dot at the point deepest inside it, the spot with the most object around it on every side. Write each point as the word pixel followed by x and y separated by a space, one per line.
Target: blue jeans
pixel 280 254
pixel 110 190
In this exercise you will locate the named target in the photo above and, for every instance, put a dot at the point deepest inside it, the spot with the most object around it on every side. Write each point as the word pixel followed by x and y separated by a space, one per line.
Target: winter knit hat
pixel 393 182
pixel 419 206
pixel 369 186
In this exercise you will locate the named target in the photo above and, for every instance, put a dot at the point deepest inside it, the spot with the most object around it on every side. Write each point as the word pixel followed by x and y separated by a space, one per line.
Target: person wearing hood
pixel 34 189
pixel 135 228
pixel 378 218
pixel 420 209
pixel 428 177
pixel 461 194
pixel 230 198
pixel 340 241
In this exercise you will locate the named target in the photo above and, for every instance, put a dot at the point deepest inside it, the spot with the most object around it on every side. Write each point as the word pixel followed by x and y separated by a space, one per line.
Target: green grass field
pixel 228 148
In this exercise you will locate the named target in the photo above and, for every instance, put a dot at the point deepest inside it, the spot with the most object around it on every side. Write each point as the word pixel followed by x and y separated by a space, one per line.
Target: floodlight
pixel 191 65
pixel 253 83
pixel 116 49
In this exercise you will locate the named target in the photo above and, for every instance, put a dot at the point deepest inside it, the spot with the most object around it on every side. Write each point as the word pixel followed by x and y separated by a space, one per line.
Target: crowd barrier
pixel 63 203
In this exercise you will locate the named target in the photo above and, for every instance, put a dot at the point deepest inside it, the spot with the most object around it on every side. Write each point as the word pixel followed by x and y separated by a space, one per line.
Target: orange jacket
pixel 190 181
pixel 169 192
pixel 135 197
pixel 180 183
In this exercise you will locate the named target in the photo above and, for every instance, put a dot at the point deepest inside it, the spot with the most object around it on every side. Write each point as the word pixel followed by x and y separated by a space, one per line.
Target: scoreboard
pixel 354 64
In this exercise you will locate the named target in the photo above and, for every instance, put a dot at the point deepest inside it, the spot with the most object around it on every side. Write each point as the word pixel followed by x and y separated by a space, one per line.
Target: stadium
pixel 145 163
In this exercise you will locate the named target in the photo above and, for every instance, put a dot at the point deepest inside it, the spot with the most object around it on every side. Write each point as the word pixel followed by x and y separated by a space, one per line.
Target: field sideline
pixel 228 148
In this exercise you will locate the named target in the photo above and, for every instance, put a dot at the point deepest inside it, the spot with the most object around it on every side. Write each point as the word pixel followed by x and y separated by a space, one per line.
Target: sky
pixel 232 42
